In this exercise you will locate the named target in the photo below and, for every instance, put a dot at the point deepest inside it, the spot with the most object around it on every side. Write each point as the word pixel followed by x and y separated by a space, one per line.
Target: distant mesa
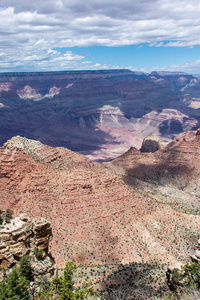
pixel 154 73
pixel 100 114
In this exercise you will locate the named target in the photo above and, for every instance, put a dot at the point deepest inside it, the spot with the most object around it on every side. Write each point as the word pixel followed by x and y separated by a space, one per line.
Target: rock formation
pixel 97 113
pixel 151 143
pixel 22 236
pixel 175 165
pixel 96 218
pixel 196 255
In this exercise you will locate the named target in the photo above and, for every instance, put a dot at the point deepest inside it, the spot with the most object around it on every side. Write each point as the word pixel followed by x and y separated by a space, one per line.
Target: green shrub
pixel 8 215
pixel 25 267
pixel 63 287
pixel 46 289
pixel 185 280
pixel 15 286
pixel 176 276
pixel 39 253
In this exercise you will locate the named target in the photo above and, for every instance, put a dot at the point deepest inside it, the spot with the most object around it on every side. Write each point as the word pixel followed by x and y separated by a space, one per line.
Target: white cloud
pixel 41 60
pixel 29 29
pixel 191 67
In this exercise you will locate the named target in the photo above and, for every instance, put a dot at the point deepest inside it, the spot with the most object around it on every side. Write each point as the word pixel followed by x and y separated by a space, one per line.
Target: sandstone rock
pixel 6 257
pixel 42 233
pixel 42 267
pixel 197 251
pixel 18 250
pixel 177 165
pixel 21 236
pixel 24 217
pixel 89 206
pixel 176 265
pixel 196 256
pixel 198 131
pixel 151 143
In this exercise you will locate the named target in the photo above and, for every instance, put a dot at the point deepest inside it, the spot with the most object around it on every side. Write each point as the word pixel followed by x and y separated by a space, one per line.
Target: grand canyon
pixel 77 149
pixel 100 114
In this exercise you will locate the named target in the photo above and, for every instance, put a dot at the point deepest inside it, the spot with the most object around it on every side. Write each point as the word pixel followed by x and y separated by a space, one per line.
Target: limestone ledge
pixel 21 236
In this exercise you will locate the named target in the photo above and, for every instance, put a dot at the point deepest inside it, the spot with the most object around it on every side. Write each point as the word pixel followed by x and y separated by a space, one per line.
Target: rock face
pixel 21 236
pixel 97 113
pixel 176 165
pixel 96 218
pixel 151 144
pixel 42 232
pixel 196 256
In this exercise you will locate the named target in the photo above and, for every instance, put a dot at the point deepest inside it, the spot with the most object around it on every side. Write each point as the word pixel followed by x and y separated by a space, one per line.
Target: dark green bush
pixel 39 253
pixel 15 286
pixel 8 215
pixel 25 267
pixel 184 280
pixel 63 287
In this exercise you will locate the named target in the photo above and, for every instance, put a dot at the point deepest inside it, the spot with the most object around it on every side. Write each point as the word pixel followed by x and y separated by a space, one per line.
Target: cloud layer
pixel 31 30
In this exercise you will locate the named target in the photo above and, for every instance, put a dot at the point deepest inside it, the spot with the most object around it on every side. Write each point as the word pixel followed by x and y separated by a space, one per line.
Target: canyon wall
pixel 98 113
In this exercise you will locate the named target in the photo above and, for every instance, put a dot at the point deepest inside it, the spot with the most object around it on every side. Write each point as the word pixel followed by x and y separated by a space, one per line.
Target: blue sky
pixel 141 57
pixel 100 34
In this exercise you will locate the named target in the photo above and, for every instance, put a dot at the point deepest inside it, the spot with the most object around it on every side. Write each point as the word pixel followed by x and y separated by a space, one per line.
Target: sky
pixel 140 35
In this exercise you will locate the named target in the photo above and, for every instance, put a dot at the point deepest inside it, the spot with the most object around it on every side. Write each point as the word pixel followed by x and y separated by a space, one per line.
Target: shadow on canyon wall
pixel 135 281
pixel 70 118
pixel 166 167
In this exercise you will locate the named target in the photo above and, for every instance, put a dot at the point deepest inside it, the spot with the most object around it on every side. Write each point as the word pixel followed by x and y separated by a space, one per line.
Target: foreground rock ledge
pixel 21 236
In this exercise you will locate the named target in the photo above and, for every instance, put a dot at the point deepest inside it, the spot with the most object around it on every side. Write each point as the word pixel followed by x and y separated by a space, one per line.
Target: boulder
pixel 198 131
pixel 42 233
pixel 196 256
pixel 151 143
pixel 24 217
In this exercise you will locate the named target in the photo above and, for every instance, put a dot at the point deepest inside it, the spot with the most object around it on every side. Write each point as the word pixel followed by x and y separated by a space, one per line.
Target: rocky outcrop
pixel 196 255
pixel 151 143
pixel 175 281
pixel 21 236
pixel 42 233
pixel 198 131
pixel 176 165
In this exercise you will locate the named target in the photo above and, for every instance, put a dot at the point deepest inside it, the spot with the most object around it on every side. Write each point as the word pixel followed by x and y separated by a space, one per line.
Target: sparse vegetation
pixel 62 287
pixel 15 286
pixel 39 253
pixel 6 217
pixel 185 282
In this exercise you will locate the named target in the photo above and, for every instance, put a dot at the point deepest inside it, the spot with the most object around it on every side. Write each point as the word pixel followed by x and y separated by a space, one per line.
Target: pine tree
pixel 14 287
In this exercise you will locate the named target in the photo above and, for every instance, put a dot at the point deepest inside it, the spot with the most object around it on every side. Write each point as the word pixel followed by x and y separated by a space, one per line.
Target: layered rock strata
pixel 100 114
pixel 177 164
pixel 21 236
pixel 96 218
